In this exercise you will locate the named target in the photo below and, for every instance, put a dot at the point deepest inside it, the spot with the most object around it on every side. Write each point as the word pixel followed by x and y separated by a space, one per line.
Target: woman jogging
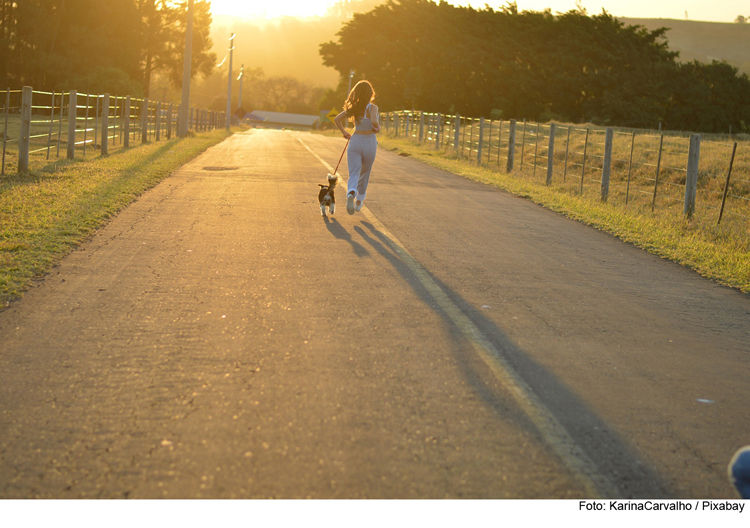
pixel 363 144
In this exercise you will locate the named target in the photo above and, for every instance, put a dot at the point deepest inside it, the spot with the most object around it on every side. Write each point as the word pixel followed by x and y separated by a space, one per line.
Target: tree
pixel 573 66
pixel 163 39
pixel 49 44
pixel 45 42
pixel 709 98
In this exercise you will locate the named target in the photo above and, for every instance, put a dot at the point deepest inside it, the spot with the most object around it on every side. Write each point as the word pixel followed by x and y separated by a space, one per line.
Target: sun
pixel 270 8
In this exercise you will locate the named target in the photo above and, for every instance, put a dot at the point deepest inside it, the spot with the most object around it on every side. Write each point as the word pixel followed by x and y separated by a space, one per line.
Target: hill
pixel 703 41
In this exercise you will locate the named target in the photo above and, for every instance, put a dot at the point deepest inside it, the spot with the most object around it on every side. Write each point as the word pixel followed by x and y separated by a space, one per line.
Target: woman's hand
pixel 347 135
pixel 376 127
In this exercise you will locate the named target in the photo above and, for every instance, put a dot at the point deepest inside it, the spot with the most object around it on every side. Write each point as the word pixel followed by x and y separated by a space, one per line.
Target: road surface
pixel 219 338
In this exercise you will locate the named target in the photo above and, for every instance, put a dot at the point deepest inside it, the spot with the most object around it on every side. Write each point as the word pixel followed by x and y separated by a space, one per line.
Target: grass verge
pixel 45 214
pixel 720 253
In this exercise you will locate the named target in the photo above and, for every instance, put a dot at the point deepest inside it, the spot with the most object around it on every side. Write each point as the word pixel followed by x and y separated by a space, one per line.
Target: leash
pixel 342 156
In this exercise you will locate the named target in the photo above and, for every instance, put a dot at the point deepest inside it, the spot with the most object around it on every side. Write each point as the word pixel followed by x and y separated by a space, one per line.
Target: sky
pixel 710 11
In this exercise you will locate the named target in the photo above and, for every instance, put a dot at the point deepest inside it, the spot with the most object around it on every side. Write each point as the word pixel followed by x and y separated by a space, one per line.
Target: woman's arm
pixel 375 118
pixel 340 120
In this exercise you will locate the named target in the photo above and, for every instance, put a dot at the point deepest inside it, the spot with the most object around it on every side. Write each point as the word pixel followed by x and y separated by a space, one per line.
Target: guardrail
pixel 660 169
pixel 42 123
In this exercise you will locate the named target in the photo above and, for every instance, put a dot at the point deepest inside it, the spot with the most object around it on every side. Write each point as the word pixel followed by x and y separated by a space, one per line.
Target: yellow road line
pixel 553 432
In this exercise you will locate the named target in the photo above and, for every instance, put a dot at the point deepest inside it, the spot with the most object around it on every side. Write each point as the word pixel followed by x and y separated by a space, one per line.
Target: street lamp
pixel 185 106
pixel 239 101
pixel 351 74
pixel 229 83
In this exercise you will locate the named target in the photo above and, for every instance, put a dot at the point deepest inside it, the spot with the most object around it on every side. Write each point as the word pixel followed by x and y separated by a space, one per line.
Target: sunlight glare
pixel 272 9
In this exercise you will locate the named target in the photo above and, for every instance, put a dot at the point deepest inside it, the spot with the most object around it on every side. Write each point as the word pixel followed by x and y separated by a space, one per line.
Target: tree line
pixel 100 46
pixel 569 67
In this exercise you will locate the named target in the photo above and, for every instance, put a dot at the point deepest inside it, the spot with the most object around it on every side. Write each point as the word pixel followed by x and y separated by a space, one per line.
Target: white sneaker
pixel 358 206
pixel 350 204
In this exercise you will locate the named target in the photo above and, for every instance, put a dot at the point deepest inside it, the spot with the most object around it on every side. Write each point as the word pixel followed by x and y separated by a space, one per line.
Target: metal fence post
pixel 481 138
pixel 726 184
pixel 144 121
pixel 457 131
pixel 25 138
pixel 607 162
pixel 511 145
pixel 551 153
pixel 105 125
pixel 691 181
pixel 583 163
pixel 72 106
pixel 421 127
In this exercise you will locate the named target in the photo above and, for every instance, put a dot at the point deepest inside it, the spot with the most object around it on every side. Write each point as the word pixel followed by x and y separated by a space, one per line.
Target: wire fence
pixel 631 167
pixel 37 126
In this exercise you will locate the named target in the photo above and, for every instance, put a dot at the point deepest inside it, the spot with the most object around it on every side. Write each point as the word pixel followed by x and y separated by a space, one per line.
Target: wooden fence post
pixel 550 153
pixel 421 127
pixel 481 138
pixel 105 125
pixel 658 168
pixel 536 147
pixel 144 121
pixel 691 181
pixel 607 162
pixel 25 138
pixel 72 114
pixel 127 121
pixel 395 125
pixel 437 130
pixel 158 120
pixel 456 136
pixel 567 149
pixel 511 145
pixel 169 121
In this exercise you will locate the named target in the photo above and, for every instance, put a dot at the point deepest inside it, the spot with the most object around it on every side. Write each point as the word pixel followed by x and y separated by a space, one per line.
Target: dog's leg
pixel 332 207
pixel 322 209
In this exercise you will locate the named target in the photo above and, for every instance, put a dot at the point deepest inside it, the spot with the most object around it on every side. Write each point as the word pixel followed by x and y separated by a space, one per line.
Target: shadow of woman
pixel 338 231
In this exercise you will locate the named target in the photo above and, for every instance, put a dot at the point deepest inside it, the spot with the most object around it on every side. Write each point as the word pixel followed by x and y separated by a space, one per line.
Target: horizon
pixel 722 11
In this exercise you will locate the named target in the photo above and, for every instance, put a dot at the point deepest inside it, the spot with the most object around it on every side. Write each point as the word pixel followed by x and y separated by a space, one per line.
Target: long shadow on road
pixel 338 231
pixel 612 456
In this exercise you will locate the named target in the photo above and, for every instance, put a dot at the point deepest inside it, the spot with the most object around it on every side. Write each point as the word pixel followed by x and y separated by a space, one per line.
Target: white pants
pixel 360 157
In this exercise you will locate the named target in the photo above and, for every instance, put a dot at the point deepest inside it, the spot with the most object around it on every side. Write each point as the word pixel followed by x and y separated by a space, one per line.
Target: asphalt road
pixel 219 338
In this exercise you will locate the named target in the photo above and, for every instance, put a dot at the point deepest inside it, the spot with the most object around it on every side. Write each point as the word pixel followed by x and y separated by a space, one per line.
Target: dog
pixel 326 197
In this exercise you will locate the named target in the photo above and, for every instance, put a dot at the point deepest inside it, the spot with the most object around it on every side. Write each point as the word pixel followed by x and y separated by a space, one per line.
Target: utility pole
pixel 185 106
pixel 239 101
pixel 229 83
pixel 351 74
